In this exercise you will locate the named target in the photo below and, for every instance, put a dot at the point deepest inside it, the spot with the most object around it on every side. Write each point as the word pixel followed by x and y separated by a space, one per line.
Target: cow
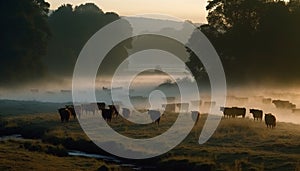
pixel 281 104
pixel 154 115
pixel 195 116
pixel 226 111
pixel 169 107
pixel 125 113
pixel 107 114
pixel 78 110
pixel 71 109
pixel 89 108
pixel 64 114
pixel 266 100
pixel 270 120
pixel 101 105
pixel 239 111
pixel 184 107
pixel 233 111
pixel 257 114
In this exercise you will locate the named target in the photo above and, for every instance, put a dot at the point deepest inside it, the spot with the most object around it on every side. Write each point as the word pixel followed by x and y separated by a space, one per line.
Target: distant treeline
pixel 15 107
pixel 257 40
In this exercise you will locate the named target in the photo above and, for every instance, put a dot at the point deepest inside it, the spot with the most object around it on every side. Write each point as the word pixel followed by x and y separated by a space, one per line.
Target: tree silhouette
pixel 257 40
pixel 24 35
pixel 72 28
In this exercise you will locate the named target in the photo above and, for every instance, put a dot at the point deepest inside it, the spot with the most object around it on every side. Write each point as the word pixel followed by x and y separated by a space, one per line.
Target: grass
pixel 14 156
pixel 238 144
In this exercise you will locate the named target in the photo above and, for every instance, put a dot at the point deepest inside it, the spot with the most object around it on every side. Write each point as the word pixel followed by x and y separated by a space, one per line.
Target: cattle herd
pixel 257 114
pixel 109 112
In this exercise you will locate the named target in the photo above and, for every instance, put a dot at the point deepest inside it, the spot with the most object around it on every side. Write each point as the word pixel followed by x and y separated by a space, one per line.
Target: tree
pixel 24 37
pixel 72 28
pixel 256 39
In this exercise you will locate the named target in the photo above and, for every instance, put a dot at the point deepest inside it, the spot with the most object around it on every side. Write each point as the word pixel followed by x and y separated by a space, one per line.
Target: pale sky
pixel 193 10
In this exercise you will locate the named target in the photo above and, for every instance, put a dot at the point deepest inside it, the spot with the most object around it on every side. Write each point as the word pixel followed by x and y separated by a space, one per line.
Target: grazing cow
pixel 125 113
pixel 154 115
pixel 233 111
pixel 281 104
pixel 270 120
pixel 64 114
pixel 257 114
pixel 195 116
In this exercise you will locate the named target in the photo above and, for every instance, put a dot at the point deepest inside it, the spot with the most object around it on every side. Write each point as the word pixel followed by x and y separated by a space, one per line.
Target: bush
pixel 59 151
pixel 33 131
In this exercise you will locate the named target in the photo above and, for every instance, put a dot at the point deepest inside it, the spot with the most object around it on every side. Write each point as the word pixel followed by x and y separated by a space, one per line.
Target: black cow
pixel 64 114
pixel 270 120
pixel 101 105
pixel 227 111
pixel 195 116
pixel 107 114
pixel 154 115
pixel 257 114
pixel 233 111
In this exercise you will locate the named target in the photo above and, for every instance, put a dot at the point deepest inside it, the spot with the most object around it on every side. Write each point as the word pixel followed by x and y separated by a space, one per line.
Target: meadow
pixel 238 144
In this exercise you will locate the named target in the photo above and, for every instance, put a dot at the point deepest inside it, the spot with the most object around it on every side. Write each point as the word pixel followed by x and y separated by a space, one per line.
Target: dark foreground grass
pixel 14 156
pixel 237 144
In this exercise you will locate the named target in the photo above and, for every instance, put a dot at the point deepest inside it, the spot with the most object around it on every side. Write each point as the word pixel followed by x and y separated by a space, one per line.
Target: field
pixel 238 144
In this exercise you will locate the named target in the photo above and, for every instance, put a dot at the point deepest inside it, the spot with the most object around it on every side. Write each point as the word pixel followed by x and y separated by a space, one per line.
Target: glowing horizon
pixel 193 10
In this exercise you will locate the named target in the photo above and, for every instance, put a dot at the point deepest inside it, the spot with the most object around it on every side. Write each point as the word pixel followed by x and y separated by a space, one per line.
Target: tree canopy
pixel 72 27
pixel 257 40
pixel 24 35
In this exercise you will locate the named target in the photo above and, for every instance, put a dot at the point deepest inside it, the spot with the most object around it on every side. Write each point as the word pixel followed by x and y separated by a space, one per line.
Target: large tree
pixel 257 40
pixel 24 35
pixel 72 27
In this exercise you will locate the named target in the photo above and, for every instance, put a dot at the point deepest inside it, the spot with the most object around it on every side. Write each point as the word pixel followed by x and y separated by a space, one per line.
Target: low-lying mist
pixel 256 97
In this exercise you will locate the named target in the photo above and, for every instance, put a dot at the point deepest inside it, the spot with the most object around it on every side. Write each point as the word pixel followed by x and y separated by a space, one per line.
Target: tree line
pixel 257 40
pixel 37 43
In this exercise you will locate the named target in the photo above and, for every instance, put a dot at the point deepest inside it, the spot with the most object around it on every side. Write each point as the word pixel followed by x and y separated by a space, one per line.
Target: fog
pixel 143 85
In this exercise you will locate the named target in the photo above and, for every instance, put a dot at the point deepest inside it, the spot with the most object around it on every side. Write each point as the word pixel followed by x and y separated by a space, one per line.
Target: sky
pixel 193 10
